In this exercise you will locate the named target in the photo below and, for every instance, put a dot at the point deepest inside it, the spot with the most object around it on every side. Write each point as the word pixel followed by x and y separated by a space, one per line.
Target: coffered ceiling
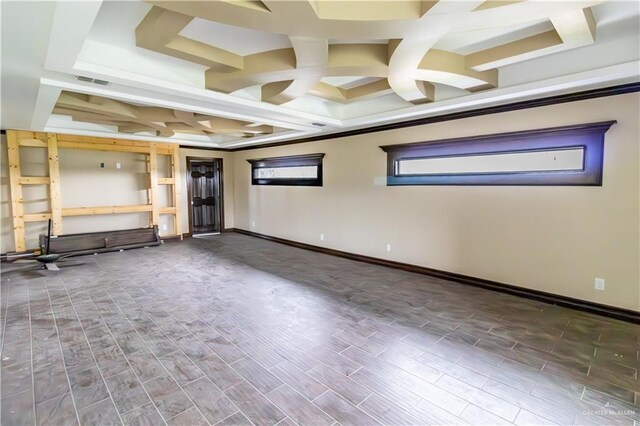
pixel 246 72
pixel 129 118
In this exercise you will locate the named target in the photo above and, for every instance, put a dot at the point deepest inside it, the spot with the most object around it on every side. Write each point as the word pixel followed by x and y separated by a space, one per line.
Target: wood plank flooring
pixel 234 330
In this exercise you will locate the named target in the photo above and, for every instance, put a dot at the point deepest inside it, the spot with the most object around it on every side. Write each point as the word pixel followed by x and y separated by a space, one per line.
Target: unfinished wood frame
pixel 53 142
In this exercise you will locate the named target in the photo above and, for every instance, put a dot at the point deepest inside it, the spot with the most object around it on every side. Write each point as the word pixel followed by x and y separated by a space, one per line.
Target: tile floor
pixel 233 330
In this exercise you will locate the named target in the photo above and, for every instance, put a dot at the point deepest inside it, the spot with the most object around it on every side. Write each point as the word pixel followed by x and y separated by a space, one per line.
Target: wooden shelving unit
pixel 53 142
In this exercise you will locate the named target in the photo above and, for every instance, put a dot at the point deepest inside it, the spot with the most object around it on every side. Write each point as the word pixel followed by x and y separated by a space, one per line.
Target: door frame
pixel 220 162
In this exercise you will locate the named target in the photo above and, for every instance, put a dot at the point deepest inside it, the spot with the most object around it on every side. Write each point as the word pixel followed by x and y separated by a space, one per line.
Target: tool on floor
pixel 47 260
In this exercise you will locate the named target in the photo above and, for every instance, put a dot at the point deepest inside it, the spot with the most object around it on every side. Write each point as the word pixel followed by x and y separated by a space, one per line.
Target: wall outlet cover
pixel 599 284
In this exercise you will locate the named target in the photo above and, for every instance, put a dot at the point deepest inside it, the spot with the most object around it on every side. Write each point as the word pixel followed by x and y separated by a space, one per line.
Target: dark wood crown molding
pixel 206 148
pixel 514 106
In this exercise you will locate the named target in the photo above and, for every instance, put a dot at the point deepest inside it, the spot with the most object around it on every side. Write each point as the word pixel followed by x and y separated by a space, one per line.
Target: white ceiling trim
pixel 45 102
pixel 59 124
pixel 613 75
pixel 230 102
pixel 72 22
pixel 617 74
pixel 128 94
pixel 242 41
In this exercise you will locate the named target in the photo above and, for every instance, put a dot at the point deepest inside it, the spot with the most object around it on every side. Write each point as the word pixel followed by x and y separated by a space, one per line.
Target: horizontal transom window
pixel 295 172
pixel 299 170
pixel 510 162
pixel 569 155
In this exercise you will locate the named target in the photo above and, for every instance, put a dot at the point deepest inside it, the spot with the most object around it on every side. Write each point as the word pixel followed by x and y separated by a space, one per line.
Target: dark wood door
pixel 205 196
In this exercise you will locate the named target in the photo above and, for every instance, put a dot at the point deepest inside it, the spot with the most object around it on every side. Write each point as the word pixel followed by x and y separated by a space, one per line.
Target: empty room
pixel 320 212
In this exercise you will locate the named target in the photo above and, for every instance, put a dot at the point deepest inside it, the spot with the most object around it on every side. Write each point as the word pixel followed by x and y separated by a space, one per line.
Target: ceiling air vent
pixel 93 80
pixel 318 124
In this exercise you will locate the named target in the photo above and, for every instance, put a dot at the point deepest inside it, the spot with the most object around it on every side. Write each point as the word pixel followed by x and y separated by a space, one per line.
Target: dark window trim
pixel 289 161
pixel 589 136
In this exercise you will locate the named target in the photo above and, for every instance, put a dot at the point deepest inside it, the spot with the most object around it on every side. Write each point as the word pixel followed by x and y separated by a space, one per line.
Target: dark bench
pixel 99 242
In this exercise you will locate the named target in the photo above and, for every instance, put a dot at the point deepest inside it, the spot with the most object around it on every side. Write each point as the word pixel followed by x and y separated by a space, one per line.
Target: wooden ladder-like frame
pixel 53 142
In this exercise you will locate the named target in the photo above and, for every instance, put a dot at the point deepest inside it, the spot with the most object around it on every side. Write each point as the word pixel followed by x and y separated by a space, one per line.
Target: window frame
pixel 589 137
pixel 288 161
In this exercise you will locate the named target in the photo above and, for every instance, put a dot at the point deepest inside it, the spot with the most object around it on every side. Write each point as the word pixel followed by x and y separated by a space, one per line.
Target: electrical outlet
pixel 321 237
pixel 599 284
pixel 388 247
pixel 102 165
pixel 118 165
pixel 253 224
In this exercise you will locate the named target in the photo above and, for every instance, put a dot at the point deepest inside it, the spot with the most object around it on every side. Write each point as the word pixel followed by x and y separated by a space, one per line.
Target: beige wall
pixel 554 239
pixel 84 184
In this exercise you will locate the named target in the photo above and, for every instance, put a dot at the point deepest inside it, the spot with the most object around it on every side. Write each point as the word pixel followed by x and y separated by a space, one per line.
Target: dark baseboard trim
pixel 541 296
